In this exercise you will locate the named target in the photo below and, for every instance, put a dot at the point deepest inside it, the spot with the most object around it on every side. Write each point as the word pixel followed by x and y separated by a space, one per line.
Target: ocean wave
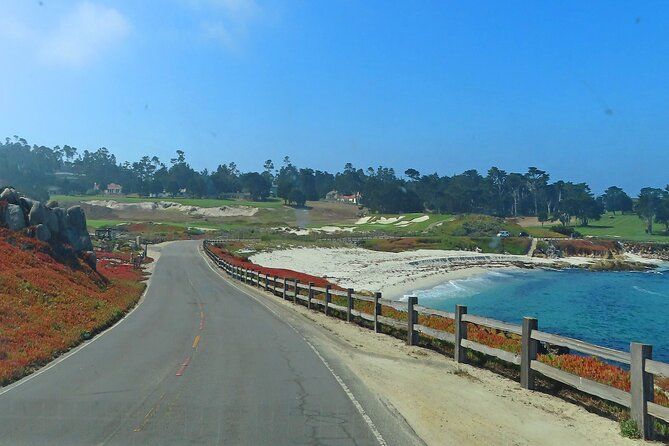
pixel 643 290
pixel 461 288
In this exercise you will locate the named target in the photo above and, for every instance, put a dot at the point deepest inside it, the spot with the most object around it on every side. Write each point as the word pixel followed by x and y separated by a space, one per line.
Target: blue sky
pixel 577 88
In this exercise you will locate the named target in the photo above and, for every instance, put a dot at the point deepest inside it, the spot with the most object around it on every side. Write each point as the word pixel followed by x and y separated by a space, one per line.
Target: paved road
pixel 198 362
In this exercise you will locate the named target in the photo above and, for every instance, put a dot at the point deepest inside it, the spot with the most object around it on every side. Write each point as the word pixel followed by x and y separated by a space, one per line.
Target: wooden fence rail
pixel 642 367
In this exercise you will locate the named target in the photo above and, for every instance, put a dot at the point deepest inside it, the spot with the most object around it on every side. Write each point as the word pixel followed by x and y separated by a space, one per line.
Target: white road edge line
pixel 340 381
pixel 79 347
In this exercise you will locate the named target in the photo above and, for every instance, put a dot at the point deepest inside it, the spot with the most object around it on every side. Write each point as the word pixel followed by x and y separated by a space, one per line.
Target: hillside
pixel 51 300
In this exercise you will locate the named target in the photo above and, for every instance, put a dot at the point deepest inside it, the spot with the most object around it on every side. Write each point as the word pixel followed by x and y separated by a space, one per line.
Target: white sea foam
pixel 643 290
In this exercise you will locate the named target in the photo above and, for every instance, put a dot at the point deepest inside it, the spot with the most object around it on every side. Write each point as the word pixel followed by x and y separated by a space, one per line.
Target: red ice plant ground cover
pixel 50 301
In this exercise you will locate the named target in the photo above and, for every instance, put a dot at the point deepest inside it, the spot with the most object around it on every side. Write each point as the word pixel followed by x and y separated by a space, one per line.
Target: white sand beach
pixel 395 274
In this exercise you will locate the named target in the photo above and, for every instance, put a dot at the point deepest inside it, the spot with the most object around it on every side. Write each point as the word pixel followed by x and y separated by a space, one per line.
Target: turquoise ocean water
pixel 605 308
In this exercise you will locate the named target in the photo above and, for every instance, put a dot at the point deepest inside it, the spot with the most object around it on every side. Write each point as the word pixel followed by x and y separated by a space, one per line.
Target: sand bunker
pixel 323 229
pixel 420 219
pixel 388 221
pixel 397 221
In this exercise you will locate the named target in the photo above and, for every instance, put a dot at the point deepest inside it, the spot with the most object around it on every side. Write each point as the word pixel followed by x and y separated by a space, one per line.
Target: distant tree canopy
pixel 38 170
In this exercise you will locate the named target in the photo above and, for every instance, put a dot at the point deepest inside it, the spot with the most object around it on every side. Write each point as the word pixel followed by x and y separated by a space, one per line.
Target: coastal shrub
pixel 494 338
pixel 629 429
pixel 569 231
pixel 602 248
pixel 589 367
pixel 479 227
pixel 662 429
pixel 516 245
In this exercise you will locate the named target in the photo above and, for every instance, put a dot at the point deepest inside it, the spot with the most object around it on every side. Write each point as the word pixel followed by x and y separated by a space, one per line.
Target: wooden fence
pixel 643 368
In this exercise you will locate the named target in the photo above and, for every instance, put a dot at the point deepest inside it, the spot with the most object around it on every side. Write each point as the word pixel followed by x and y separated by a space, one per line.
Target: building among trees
pixel 114 189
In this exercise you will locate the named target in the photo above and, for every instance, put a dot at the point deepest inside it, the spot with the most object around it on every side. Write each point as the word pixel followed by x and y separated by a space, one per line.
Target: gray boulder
pixel 37 214
pixel 76 232
pixel 14 217
pixel 51 221
pixel 80 240
pixel 76 218
pixel 10 195
pixel 42 233
pixel 26 203
pixel 61 219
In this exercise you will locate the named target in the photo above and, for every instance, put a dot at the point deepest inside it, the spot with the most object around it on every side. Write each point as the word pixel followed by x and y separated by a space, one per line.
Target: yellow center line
pixel 196 341
pixel 149 414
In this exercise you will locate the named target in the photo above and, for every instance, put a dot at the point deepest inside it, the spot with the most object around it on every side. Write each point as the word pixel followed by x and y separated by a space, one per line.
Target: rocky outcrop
pixel 50 222
pixel 649 250
pixel 37 214
pixel 14 217
pixel 42 233
pixel 10 196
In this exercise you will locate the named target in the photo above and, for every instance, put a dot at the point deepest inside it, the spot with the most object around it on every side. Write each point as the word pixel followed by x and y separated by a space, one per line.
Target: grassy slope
pixel 47 307
pixel 622 226
pixel 628 227
pixel 95 224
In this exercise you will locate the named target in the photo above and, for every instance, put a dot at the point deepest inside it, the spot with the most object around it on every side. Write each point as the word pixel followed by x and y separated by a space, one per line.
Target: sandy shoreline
pixel 397 292
pixel 397 274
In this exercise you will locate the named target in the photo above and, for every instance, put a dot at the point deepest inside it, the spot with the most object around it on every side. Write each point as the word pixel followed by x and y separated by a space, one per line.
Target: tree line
pixel 37 169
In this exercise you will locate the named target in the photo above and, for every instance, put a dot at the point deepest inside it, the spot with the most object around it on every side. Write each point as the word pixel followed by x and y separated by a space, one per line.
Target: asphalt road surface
pixel 197 362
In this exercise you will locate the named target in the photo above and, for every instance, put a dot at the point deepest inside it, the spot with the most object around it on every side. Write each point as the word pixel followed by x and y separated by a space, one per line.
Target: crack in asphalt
pixel 314 418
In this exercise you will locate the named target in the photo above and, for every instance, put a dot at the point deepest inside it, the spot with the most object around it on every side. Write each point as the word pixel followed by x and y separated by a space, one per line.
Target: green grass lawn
pixel 626 227
pixel 202 202
pixel 95 224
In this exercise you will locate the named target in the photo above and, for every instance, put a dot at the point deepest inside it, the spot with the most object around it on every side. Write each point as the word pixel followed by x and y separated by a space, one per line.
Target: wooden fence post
pixel 296 283
pixel 285 288
pixel 412 318
pixel 327 298
pixel 349 304
pixel 641 389
pixel 459 352
pixel 274 285
pixel 310 295
pixel 528 353
pixel 258 279
pixel 377 312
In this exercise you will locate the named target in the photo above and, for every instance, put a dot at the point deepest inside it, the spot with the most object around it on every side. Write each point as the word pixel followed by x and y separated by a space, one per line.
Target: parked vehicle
pixel 503 234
